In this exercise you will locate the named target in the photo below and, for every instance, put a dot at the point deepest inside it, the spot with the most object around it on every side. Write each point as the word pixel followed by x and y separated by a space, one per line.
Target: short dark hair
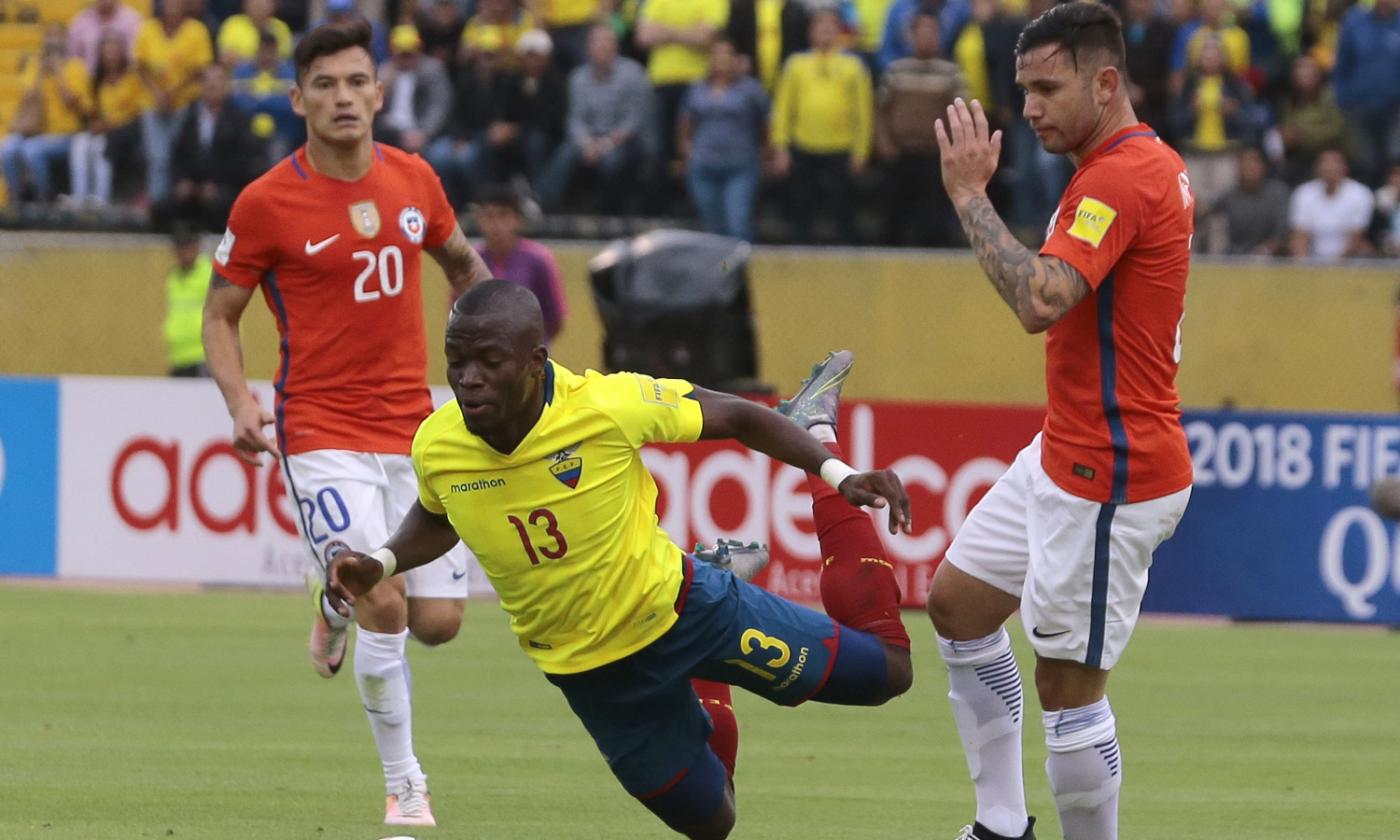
pixel 1079 28
pixel 501 195
pixel 330 39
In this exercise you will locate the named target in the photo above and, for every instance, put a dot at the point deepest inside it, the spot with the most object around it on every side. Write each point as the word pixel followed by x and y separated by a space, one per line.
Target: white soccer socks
pixel 381 672
pixel 984 689
pixel 1085 770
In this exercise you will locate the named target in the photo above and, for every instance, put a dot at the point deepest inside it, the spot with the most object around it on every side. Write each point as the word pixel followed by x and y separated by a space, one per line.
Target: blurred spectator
pixel 870 16
pixel 238 37
pixel 535 105
pixel 897 43
pixel 463 155
pixel 1388 209
pixel 495 27
pixel 260 87
pixel 440 24
pixel 1210 120
pixel 608 104
pixel 1311 120
pixel 677 34
pixel 170 53
pixel 215 155
pixel 186 285
pixel 766 33
pixel 723 125
pixel 1366 74
pixel 1329 215
pixel 985 52
pixel 499 215
pixel 1215 21
pixel 821 130
pixel 914 92
pixel 417 93
pixel 57 96
pixel 1148 38
pixel 568 23
pixel 113 133
pixel 86 28
pixel 344 11
pixel 1254 215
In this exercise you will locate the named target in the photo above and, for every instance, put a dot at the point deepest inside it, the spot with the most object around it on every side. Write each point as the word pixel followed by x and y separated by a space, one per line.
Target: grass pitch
pixel 152 715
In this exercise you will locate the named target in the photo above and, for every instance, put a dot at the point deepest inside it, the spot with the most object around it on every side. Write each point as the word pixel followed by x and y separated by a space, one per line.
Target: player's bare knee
pixel 899 673
pixel 438 631
pixel 718 826
pixel 1064 684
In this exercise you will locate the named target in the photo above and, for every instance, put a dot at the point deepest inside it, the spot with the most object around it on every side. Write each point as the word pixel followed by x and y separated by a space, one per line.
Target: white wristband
pixel 834 471
pixel 387 559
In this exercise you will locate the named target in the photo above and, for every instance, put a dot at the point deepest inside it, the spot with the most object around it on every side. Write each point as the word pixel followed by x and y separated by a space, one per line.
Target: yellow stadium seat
pixel 21 36
pixel 60 11
pixel 11 87
pixel 12 60
pixel 4 193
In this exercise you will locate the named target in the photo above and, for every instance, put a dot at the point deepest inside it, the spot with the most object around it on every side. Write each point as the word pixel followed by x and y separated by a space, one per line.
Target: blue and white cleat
pixel 819 397
pixel 745 560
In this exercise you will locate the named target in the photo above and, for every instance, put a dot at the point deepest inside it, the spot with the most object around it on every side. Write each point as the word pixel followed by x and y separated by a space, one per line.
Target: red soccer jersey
pixel 1113 424
pixel 339 263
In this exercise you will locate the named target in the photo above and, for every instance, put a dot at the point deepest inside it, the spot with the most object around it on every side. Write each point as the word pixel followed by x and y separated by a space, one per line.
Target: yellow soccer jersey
pixel 565 526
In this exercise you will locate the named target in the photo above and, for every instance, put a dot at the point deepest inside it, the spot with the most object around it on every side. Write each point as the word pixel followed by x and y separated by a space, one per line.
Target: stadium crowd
pixel 1286 111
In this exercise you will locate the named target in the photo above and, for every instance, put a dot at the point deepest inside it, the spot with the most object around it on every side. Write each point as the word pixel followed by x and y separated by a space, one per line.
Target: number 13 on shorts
pixel 776 653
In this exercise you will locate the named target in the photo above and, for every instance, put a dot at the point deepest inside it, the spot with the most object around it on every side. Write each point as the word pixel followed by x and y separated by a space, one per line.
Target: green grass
pixel 134 715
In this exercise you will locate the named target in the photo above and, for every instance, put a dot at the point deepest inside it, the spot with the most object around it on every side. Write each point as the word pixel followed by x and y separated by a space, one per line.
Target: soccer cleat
pixel 744 560
pixel 327 643
pixel 820 395
pixel 410 805
pixel 977 831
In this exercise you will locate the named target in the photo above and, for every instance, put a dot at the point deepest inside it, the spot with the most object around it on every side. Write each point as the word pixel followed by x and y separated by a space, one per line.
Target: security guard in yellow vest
pixel 185 288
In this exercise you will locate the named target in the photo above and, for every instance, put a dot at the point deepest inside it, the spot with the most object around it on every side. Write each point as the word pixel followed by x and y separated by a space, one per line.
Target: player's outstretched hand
pixel 968 151
pixel 248 437
pixel 350 575
pixel 880 488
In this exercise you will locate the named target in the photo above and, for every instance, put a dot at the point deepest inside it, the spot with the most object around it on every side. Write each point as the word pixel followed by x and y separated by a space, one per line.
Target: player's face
pixel 1062 103
pixel 496 373
pixel 339 96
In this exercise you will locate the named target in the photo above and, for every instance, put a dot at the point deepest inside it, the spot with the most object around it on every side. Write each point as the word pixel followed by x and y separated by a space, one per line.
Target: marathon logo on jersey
pixel 479 484
pixel 566 466
pixel 364 217
pixel 1092 219
pixel 657 393
pixel 412 224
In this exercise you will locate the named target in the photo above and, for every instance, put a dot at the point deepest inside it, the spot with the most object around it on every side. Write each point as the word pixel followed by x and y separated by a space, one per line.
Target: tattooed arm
pixel 460 262
pixel 1040 290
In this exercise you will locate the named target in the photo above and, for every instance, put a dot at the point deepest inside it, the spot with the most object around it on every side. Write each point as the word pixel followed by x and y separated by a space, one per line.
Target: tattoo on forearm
pixel 1041 289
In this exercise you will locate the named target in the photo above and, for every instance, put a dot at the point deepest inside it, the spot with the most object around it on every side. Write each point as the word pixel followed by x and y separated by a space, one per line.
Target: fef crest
pixel 567 467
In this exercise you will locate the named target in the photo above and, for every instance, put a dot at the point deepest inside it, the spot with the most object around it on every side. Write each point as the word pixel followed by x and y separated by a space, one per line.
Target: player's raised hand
pixel 880 488
pixel 968 152
pixel 350 575
pixel 248 437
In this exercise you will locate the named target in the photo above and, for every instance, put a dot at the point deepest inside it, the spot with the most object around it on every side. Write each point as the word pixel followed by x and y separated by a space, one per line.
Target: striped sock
pixel 984 688
pixel 1085 770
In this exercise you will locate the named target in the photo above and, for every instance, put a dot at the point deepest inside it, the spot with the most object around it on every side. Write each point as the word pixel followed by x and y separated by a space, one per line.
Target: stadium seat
pixel 60 11
pixel 21 36
pixel 12 60
pixel 11 87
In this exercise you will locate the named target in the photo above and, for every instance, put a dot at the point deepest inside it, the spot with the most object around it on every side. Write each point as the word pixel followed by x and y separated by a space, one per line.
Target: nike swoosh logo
pixel 320 246
pixel 1035 631
pixel 458 575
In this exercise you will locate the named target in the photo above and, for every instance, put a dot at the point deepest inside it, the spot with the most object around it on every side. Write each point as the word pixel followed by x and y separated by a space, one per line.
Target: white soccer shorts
pixel 357 500
pixel 1078 566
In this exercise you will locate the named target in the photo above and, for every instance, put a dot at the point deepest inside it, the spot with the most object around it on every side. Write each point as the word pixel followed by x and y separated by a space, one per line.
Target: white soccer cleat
pixel 410 805
pixel 327 643
pixel 744 560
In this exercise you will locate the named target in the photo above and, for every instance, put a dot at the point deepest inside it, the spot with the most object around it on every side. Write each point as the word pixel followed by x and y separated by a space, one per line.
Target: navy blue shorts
pixel 646 719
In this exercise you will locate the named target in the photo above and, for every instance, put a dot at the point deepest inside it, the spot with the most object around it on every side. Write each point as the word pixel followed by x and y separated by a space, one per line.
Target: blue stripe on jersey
pixel 1130 136
pixel 548 383
pixel 297 166
pixel 1118 435
pixel 378 151
pixel 270 280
